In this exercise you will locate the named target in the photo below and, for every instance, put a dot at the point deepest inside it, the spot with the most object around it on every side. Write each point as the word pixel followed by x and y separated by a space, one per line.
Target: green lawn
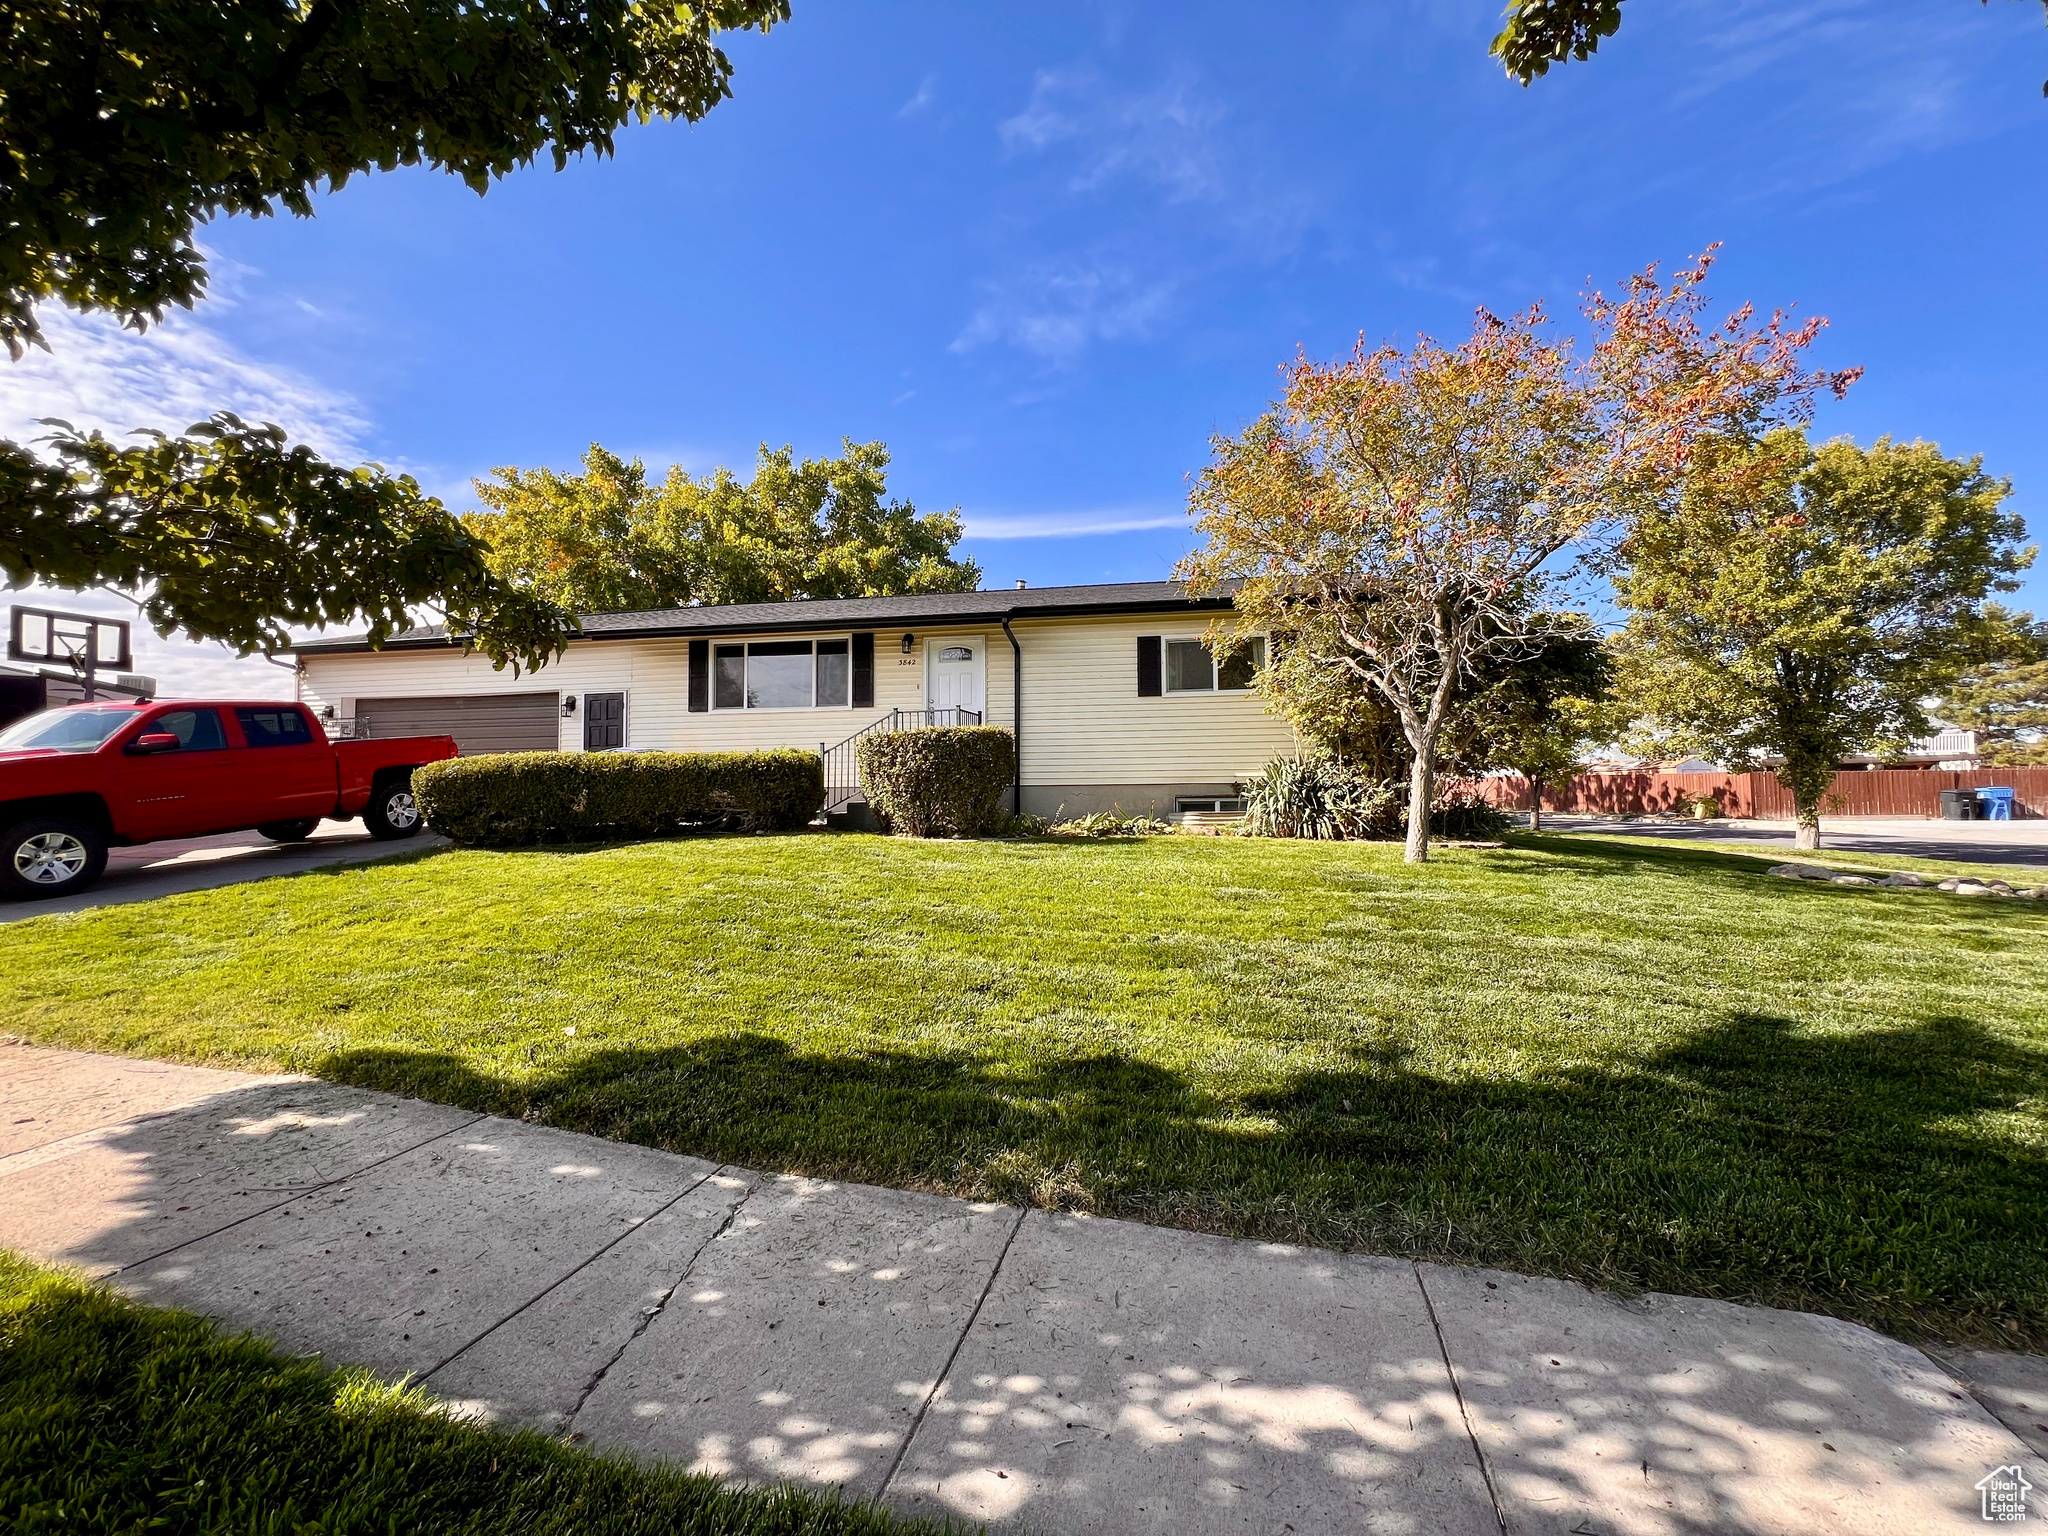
pixel 116 1418
pixel 1639 1065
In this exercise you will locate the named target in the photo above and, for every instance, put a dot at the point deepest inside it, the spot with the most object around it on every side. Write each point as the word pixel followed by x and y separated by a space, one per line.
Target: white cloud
pixel 1056 313
pixel 98 375
pixel 1164 136
pixel 927 93
pixel 1069 525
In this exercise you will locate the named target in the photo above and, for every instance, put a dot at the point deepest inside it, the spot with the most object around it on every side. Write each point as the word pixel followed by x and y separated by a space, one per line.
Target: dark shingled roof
pixel 1127 597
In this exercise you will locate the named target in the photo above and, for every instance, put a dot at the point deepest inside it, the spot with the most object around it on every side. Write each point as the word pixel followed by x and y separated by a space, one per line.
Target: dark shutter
pixel 864 671
pixel 1150 681
pixel 700 676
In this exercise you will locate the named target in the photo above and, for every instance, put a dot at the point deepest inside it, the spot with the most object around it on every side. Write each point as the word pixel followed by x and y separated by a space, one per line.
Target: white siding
pixel 1083 720
pixel 655 677
pixel 1085 724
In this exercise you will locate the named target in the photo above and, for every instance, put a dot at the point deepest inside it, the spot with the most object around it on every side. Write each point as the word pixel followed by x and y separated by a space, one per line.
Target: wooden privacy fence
pixel 1880 792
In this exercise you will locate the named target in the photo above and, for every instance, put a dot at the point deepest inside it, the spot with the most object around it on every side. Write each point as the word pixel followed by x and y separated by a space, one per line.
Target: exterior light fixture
pixel 908 642
pixel 568 705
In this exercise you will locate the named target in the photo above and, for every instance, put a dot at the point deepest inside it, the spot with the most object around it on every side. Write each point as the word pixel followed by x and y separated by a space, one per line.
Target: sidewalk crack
pixel 649 1314
pixel 573 1271
pixel 1464 1409
pixel 917 1419
pixel 297 1196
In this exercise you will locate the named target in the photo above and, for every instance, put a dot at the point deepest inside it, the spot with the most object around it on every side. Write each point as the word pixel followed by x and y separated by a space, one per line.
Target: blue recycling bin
pixel 1994 805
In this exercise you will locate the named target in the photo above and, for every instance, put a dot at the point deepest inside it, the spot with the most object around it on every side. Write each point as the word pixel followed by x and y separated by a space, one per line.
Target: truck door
pixel 287 771
pixel 177 792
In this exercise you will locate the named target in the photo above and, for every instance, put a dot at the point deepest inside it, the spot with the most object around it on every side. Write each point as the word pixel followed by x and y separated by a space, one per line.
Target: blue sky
pixel 1045 251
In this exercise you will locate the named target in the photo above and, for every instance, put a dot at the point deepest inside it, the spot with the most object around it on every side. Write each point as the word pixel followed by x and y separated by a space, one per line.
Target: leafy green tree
pixel 1401 515
pixel 2003 694
pixel 128 124
pixel 607 541
pixel 1799 604
pixel 1540 33
pixel 1546 711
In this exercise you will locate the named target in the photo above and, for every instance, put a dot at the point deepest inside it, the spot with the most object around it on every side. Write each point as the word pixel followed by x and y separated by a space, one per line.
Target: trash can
pixel 1959 805
pixel 1994 805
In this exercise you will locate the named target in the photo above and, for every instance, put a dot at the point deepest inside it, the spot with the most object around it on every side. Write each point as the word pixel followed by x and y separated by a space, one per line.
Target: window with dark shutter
pixel 864 671
pixel 700 676
pixel 1151 681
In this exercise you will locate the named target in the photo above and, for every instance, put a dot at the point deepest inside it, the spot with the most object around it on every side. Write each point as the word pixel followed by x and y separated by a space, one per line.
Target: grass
pixel 121 1418
pixel 1637 1065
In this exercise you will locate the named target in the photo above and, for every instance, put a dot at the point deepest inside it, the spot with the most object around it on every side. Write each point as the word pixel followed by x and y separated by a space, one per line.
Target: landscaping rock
pixel 1971 888
pixel 1801 872
pixel 1904 878
pixel 1852 880
pixel 1948 885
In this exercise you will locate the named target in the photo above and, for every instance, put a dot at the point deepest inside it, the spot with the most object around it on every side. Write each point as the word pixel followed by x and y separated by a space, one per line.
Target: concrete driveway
pixel 1981 842
pixel 200 863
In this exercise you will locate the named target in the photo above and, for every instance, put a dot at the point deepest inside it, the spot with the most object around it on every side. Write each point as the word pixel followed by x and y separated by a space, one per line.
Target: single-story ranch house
pixel 1122 702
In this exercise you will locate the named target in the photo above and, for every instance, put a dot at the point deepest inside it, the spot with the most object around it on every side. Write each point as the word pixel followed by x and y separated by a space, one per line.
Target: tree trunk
pixel 1807 838
pixel 1421 790
pixel 1535 805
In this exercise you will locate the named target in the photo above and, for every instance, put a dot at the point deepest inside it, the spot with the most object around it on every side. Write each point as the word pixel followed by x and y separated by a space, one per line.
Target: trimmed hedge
pixel 940 781
pixel 514 798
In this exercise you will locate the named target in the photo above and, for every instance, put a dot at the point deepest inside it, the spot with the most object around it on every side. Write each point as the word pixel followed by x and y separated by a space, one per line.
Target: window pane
pixel 267 728
pixel 1189 668
pixel 835 673
pixel 729 677
pixel 779 675
pixel 198 730
pixel 1237 669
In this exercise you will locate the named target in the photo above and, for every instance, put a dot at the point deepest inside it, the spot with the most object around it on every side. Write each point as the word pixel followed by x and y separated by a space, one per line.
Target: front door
pixel 956 674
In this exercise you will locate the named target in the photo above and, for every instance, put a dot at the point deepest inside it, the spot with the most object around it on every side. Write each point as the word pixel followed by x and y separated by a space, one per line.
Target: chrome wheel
pixel 402 811
pixel 50 858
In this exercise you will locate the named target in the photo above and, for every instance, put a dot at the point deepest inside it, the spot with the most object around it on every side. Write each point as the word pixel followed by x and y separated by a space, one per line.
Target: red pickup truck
pixel 77 780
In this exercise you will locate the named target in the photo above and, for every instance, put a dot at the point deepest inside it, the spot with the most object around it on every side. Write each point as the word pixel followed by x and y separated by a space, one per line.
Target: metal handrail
pixel 842 762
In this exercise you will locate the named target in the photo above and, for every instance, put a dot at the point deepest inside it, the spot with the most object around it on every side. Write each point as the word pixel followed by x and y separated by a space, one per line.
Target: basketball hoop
pixel 84 642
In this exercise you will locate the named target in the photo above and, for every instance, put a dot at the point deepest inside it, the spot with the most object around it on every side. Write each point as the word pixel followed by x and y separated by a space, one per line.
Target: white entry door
pixel 956 675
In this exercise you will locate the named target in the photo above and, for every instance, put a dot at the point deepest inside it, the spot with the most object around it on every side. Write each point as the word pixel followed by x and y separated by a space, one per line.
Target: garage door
pixel 479 722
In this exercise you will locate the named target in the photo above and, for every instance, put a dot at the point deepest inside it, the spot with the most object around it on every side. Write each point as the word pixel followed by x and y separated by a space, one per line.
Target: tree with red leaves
pixel 1412 516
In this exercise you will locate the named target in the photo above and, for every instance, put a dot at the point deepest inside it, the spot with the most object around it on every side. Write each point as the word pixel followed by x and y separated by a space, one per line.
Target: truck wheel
pixel 50 856
pixel 392 811
pixel 288 831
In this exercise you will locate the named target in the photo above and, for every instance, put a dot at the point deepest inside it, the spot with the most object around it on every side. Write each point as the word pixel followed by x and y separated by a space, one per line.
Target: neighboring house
pixel 26 689
pixel 1122 704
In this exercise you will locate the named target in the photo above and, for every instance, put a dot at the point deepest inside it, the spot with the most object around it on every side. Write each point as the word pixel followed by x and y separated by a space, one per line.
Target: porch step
pixel 854 816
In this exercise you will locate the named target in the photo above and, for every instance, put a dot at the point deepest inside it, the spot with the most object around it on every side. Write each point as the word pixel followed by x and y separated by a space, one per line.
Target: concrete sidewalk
pixel 1049 1372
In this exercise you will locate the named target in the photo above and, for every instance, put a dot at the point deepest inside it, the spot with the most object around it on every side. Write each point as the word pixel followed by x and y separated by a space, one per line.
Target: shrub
pixel 1461 814
pixel 942 781
pixel 514 798
pixel 1111 823
pixel 1318 797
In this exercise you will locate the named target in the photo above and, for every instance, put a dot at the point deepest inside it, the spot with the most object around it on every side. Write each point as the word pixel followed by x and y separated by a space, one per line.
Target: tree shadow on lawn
pixel 1859 1175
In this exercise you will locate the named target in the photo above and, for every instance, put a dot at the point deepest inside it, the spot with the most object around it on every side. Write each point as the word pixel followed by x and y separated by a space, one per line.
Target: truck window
pixel 274 727
pixel 197 730
pixel 65 730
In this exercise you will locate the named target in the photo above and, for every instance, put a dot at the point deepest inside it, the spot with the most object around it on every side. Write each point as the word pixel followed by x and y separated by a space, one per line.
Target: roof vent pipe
pixel 1020 586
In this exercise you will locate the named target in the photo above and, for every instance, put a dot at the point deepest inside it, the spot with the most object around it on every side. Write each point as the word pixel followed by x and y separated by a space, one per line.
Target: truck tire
pixel 49 856
pixel 288 831
pixel 392 811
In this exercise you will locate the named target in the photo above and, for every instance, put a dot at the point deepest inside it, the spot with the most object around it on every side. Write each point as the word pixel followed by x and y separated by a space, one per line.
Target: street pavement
pixel 230 858
pixel 1981 842
pixel 1034 1370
